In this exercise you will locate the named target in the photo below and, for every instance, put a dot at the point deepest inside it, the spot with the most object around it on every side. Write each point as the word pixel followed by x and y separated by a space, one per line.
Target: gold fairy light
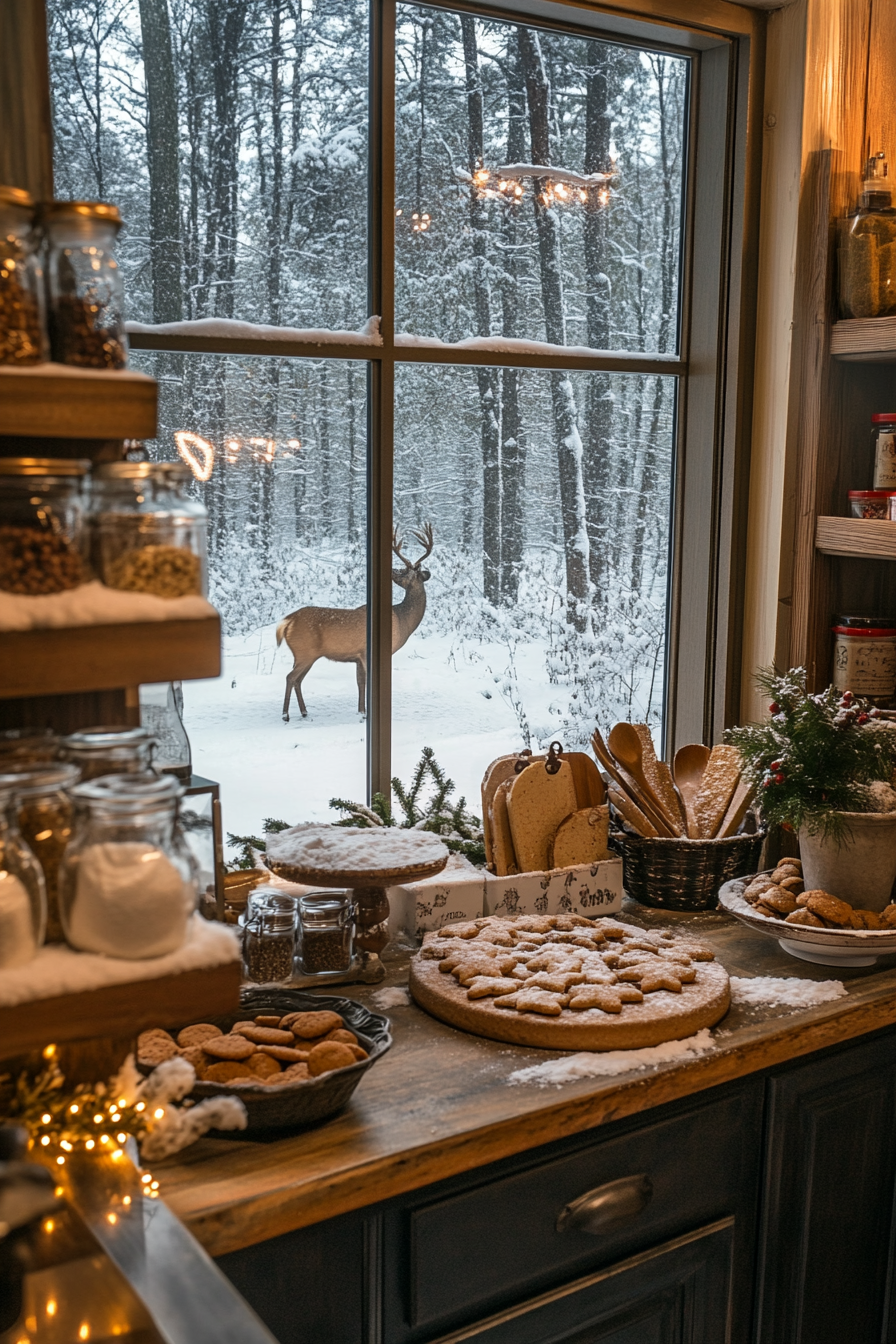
pixel 188 445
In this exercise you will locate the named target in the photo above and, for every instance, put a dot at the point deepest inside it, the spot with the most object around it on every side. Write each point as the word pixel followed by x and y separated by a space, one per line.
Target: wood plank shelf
pixel 864 538
pixel 56 401
pixel 865 340
pixel 70 659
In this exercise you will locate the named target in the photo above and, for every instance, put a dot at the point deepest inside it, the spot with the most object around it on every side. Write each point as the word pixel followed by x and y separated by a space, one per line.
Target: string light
pixel 557 186
pixel 202 465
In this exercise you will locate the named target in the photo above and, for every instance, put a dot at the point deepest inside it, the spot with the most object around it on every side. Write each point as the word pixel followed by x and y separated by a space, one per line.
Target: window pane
pixel 287 508
pixel 546 609
pixel 484 248
pixel 233 137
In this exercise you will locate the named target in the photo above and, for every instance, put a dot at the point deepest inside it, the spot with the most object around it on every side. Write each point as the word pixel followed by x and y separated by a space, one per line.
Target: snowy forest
pixel 233 135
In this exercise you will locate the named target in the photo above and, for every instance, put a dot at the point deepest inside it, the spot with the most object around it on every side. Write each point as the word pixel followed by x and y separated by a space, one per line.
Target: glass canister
pixel 865 657
pixel 148 534
pixel 85 290
pixel 127 885
pixel 869 503
pixel 867 248
pixel 269 939
pixel 883 450
pixel 44 813
pixel 42 529
pixel 109 751
pixel 23 896
pixel 28 745
pixel 21 282
pixel 327 919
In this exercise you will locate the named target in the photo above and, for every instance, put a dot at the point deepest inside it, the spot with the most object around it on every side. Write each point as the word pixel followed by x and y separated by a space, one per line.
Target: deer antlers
pixel 424 536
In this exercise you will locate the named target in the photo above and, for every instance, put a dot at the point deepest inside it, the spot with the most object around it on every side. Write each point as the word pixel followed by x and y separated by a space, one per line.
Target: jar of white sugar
pixel 23 895
pixel 127 884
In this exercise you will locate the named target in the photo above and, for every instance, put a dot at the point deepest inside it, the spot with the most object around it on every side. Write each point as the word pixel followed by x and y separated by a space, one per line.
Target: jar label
pixel 885 462
pixel 865 666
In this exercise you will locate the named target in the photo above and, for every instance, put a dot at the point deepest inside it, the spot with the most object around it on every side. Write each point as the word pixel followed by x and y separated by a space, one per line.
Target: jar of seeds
pixel 147 534
pixel 42 533
pixel 45 813
pixel 109 751
pixel 85 290
pixel 21 282
pixel 269 939
pixel 327 919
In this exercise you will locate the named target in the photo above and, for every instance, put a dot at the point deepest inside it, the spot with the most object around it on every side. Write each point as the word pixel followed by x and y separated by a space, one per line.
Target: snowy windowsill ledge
pixel 94 604
pixel 225 328
pixel 58 970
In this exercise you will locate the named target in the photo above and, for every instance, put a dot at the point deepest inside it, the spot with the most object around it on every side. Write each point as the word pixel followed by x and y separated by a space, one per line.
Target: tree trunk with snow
pixel 513 433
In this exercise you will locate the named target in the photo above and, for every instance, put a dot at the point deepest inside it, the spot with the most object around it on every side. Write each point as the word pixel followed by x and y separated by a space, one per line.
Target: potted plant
pixel 823 765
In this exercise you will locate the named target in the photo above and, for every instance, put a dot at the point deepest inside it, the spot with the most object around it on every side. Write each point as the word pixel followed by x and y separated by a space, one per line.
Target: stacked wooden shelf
pixel 55 401
pixel 865 340
pixel 863 538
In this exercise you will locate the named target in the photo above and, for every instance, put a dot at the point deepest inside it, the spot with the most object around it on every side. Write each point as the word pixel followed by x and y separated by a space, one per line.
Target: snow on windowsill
pixel 218 327
pixel 95 604
pixel 512 345
pixel 60 970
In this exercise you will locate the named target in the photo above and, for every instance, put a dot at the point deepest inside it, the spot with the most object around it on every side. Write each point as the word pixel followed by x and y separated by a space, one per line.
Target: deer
pixel 340 634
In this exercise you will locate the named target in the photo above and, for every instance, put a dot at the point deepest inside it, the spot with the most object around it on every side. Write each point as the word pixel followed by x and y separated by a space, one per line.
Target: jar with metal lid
pixel 28 745
pixel 23 896
pixel 865 657
pixel 85 290
pixel 21 282
pixel 127 884
pixel 327 919
pixel 44 813
pixel 42 528
pixel 109 751
pixel 867 248
pixel 147 534
pixel 883 451
pixel 269 938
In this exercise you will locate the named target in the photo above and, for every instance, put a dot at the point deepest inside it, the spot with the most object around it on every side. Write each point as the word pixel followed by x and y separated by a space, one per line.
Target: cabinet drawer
pixel 502 1239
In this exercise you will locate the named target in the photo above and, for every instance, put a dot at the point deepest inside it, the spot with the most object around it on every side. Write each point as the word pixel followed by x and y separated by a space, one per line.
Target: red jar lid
pixel 884 419
pixel 871 494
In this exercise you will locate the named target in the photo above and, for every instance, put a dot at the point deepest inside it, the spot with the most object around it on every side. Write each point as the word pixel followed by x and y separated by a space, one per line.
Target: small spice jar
pixel 23 897
pixel 327 919
pixel 147 534
pixel 108 751
pixel 269 938
pixel 42 529
pixel 869 503
pixel 867 248
pixel 21 282
pixel 883 450
pixel 865 657
pixel 127 884
pixel 44 813
pixel 86 294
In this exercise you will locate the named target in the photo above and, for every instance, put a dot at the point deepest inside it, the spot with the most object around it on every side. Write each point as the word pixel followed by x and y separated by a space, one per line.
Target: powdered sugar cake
pixel 332 854
pixel 569 983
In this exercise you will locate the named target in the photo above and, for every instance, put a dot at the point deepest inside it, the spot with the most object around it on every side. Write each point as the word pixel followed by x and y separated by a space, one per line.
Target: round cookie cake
pixel 569 983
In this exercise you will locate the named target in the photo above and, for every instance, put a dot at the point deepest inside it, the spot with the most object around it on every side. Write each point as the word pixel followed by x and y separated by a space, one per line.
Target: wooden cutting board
pixel 505 859
pixel 581 838
pixel 496 774
pixel 537 802
pixel 590 789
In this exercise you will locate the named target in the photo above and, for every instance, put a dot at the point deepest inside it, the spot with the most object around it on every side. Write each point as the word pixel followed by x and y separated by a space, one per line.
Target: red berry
pixel 774 707
pixel 847 697
pixel 779 778
pixel 767 783
pixel 775 765
pixel 863 718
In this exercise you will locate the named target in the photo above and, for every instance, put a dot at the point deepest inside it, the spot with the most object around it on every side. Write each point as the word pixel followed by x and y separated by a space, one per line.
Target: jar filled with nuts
pixel 269 939
pixel 44 812
pixel 42 529
pixel 109 751
pixel 85 290
pixel 21 282
pixel 147 534
pixel 327 919
pixel 28 745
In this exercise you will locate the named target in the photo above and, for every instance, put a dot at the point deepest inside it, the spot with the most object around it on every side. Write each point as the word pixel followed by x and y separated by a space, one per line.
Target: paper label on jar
pixel 885 462
pixel 865 666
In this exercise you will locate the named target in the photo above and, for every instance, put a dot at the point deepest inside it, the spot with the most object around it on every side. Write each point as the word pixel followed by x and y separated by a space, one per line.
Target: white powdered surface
pixel 95 604
pixel 130 901
pixel 500 344
pixel 785 992
pixel 391 998
pixel 17 942
pixel 60 970
pixel 338 848
pixel 255 331
pixel 609 1063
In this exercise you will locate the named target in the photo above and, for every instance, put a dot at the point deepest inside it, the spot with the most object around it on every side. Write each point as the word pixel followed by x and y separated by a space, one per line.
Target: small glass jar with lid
pixel 28 745
pixel 85 290
pixel 327 919
pixel 23 896
pixel 148 535
pixel 127 884
pixel 42 525
pixel 867 248
pixel 109 751
pixel 269 938
pixel 44 813
pixel 22 339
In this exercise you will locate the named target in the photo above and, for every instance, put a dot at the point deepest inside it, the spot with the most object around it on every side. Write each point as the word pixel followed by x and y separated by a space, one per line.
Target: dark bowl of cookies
pixel 293 1059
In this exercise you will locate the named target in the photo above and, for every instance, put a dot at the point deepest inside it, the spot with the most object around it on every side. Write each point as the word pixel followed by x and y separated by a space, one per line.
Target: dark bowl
pixel 297 1105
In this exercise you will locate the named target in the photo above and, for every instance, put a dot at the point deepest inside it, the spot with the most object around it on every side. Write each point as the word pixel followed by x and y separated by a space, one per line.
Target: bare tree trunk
pixel 513 439
pixel 162 140
pixel 226 24
pixel 563 403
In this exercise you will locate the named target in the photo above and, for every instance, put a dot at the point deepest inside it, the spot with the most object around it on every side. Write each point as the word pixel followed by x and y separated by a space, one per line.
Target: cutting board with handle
pixel 589 786
pixel 496 774
pixel 538 800
pixel 503 852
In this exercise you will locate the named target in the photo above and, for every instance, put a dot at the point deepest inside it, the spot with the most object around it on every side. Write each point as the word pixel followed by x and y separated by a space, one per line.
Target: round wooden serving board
pixel 663 1016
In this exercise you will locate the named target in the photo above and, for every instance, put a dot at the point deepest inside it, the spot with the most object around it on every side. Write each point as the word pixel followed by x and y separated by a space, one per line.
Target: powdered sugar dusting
pixel 343 848
pixel 785 992
pixel 391 998
pixel 607 1064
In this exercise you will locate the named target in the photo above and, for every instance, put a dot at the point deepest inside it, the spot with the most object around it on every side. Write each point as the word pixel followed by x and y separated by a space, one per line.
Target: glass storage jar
pixel 869 503
pixel 147 534
pixel 865 657
pixel 21 282
pixel 85 290
pixel 127 884
pixel 28 745
pixel 327 919
pixel 883 450
pixel 867 248
pixel 269 940
pixel 23 897
pixel 109 751
pixel 42 532
pixel 44 814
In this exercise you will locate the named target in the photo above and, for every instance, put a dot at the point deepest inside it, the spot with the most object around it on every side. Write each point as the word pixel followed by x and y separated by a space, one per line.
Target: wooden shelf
pixel 126 1009
pixel 865 340
pixel 103 657
pixel 864 538
pixel 55 401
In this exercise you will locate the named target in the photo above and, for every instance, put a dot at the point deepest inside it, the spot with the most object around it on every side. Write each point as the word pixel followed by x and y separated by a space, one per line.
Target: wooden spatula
pixel 737 809
pixel 687 771
pixel 627 786
pixel 625 744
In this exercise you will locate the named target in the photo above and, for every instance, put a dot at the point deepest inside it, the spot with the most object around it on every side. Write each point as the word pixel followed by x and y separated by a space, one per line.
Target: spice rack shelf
pixel 863 538
pixel 72 659
pixel 865 340
pixel 57 401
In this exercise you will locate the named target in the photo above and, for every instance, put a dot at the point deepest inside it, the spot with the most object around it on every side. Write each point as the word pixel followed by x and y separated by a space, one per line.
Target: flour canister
pixel 865 657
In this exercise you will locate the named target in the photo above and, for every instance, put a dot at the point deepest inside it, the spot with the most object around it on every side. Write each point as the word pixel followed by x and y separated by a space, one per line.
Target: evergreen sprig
pixel 813 758
pixel 248 845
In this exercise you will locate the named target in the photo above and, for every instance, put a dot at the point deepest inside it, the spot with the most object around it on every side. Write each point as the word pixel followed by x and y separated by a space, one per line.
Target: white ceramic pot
pixel 862 869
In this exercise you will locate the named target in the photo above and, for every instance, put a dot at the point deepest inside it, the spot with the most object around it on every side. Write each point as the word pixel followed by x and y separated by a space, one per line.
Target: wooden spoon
pixel 625 744
pixel 737 809
pixel 687 771
pixel 627 786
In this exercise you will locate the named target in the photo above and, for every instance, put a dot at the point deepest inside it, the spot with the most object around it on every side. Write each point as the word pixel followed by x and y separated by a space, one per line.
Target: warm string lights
pixel 556 186
pixel 200 455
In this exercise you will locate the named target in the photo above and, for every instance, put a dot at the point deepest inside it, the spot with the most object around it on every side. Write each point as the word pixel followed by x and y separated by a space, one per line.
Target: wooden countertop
pixel 439 1103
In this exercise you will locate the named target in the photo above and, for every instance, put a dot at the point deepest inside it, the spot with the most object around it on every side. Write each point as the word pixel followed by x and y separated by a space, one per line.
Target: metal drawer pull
pixel 607 1207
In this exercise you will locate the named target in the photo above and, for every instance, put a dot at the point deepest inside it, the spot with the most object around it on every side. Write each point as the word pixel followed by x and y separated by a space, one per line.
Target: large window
pixel 456 274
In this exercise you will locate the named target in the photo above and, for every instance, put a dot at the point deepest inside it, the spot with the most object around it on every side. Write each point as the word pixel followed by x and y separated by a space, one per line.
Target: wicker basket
pixel 684 874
